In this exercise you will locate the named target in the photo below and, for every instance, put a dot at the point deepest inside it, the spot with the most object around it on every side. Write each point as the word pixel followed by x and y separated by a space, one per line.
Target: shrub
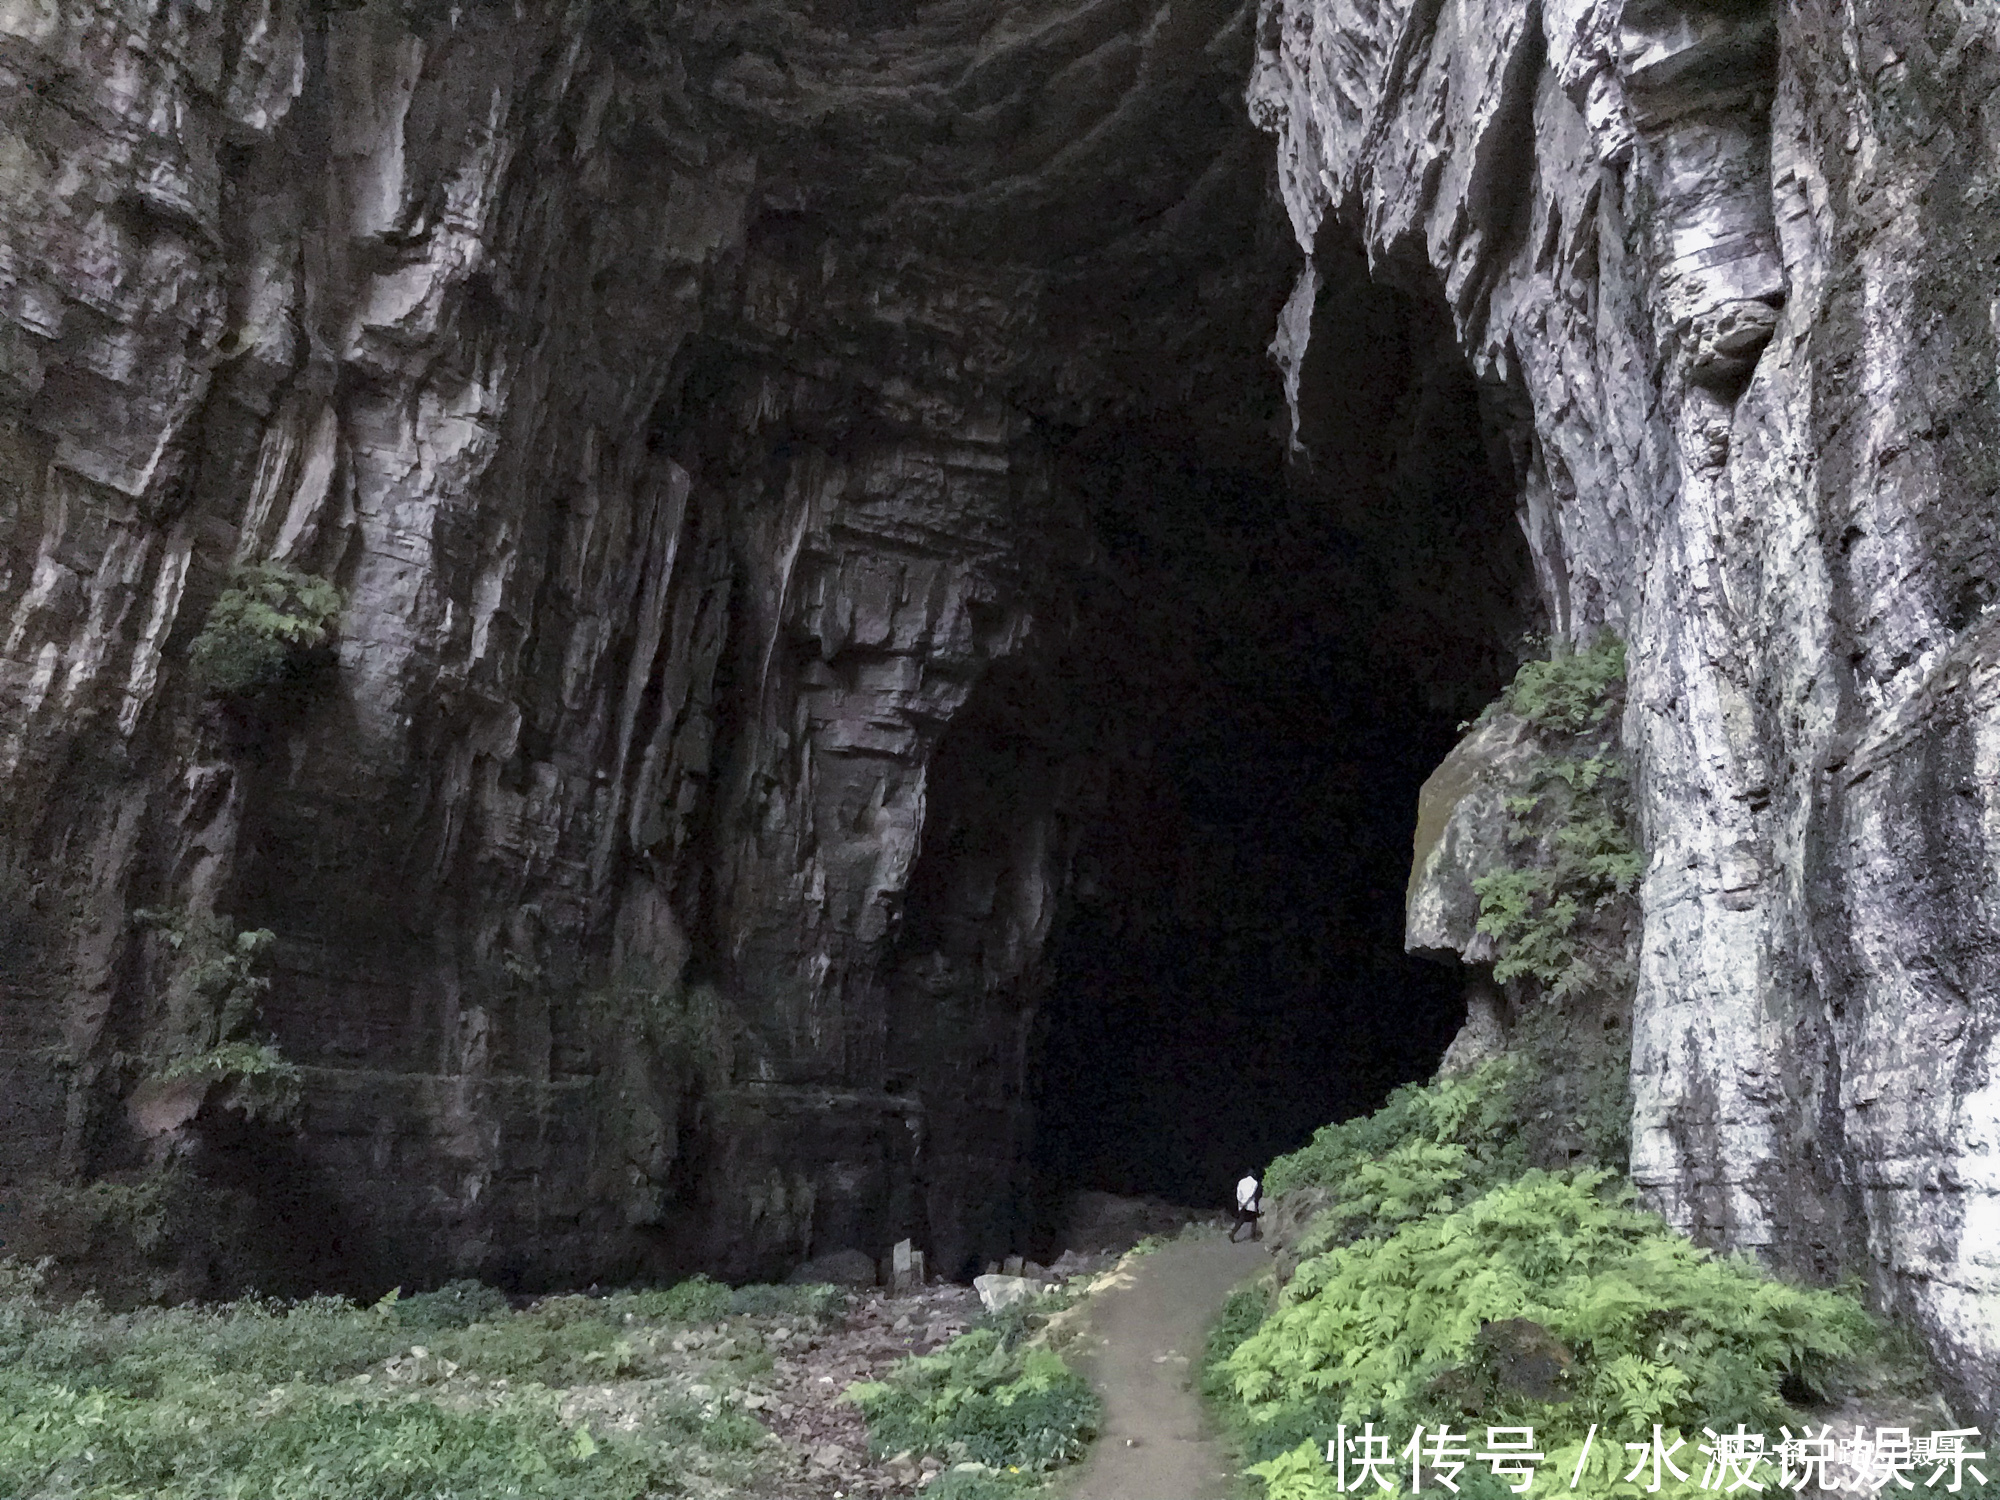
pixel 257 1080
pixel 264 630
pixel 214 990
pixel 817 1304
pixel 978 1400
pixel 1553 914
pixel 456 1304
pixel 696 1300
pixel 215 986
pixel 981 1484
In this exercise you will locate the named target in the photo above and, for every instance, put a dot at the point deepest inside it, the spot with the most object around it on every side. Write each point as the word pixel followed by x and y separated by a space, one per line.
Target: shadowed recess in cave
pixel 1266 661
pixel 1228 973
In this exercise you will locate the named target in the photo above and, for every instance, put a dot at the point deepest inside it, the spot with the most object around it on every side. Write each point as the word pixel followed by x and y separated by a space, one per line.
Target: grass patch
pixel 446 1395
pixel 975 1400
pixel 981 1483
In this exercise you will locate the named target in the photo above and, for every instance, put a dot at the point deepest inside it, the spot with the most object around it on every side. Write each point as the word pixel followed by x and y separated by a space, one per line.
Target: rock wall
pixel 681 397
pixel 670 392
pixel 1729 267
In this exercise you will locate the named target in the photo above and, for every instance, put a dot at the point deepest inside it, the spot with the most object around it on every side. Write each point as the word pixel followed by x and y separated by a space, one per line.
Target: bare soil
pixel 1141 1347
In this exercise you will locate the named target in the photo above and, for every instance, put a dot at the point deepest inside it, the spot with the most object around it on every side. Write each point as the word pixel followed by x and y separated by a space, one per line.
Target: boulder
pixel 999 1292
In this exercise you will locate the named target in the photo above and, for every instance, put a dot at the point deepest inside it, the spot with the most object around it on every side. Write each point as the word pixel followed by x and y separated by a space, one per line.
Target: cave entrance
pixel 1269 658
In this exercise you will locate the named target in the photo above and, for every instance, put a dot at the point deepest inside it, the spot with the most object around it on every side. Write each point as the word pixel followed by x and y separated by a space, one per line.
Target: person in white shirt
pixel 1249 1200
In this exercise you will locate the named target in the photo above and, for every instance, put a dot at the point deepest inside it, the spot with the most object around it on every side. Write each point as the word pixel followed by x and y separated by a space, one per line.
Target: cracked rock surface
pixel 674 394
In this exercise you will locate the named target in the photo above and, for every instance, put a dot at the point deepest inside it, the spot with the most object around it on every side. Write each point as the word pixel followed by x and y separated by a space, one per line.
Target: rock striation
pixel 1733 262
pixel 674 394
pixel 691 402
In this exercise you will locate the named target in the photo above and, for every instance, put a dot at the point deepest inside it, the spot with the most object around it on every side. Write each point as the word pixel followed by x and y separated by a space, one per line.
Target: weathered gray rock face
pixel 1733 265
pixel 662 387
pixel 1462 835
pixel 676 393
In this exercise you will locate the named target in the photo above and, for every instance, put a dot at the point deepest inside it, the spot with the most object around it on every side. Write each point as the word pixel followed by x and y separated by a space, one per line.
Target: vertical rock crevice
pixel 671 399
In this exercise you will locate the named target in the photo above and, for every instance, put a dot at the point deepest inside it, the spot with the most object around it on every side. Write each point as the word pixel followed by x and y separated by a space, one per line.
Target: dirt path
pixel 1142 1353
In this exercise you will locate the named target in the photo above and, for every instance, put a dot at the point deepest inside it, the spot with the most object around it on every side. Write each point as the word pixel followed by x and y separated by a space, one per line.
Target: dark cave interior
pixel 1272 657
pixel 1265 654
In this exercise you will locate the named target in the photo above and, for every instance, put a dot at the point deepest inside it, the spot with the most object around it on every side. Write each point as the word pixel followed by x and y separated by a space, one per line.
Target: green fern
pixel 1553 913
pixel 263 630
pixel 1441 1263
pixel 1572 690
pixel 1472 1110
pixel 1661 1331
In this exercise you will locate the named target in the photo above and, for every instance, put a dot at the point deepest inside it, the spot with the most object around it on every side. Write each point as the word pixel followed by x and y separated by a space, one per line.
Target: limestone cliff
pixel 650 381
pixel 697 407
pixel 1734 262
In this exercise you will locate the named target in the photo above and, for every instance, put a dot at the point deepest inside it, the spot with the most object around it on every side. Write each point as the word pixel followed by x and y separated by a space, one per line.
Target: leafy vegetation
pixel 976 1400
pixel 1473 1112
pixel 213 995
pixel 1571 691
pixel 324 1400
pixel 456 1304
pixel 970 1481
pixel 256 1078
pixel 1242 1314
pixel 816 1306
pixel 1450 1280
pixel 1660 1330
pixel 991 1398
pixel 1570 1088
pixel 265 631
pixel 1553 915
pixel 142 1213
